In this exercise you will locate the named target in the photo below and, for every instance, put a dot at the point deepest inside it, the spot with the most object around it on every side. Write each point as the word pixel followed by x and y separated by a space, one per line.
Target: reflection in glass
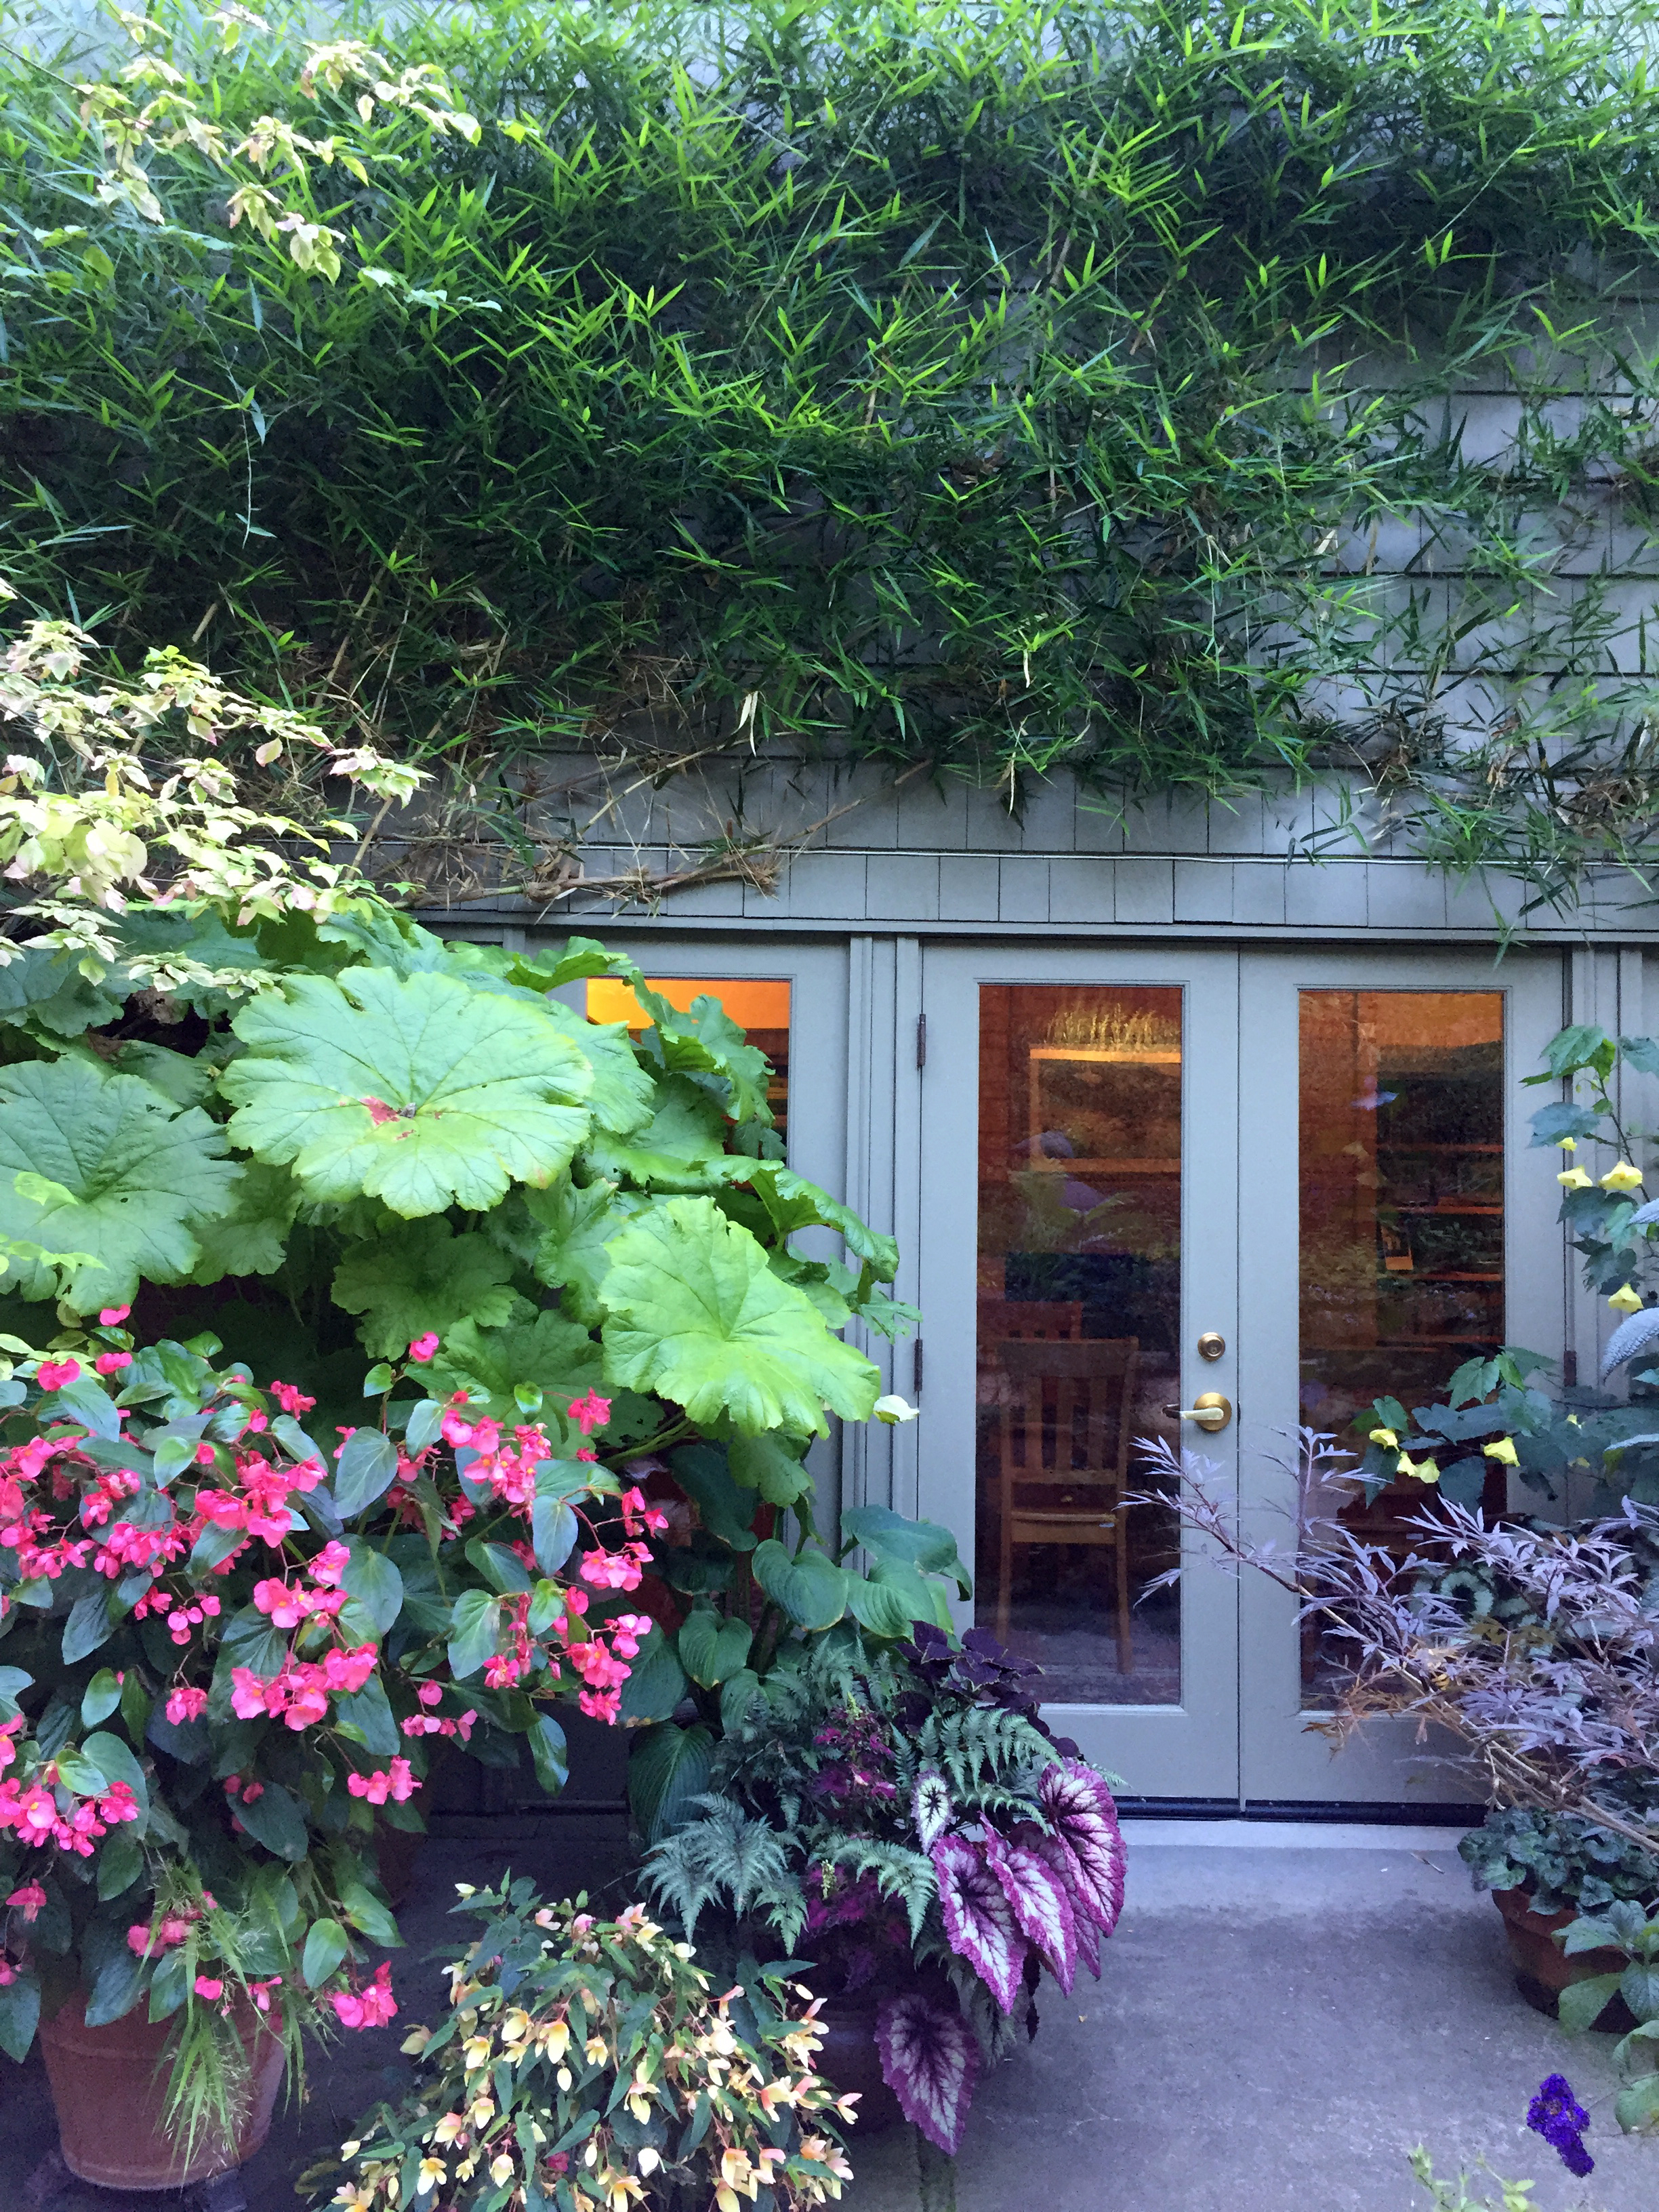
pixel 1078 1315
pixel 759 1006
pixel 1401 1180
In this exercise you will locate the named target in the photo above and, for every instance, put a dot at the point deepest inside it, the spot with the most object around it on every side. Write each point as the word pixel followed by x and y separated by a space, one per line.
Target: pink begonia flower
pixel 330 1565
pixel 457 1429
pixel 423 1346
pixel 372 2007
pixel 207 1988
pixel 397 1780
pixel 112 1363
pixel 430 1693
pixel 259 1991
pixel 28 1900
pixel 291 1398
pixel 54 1374
pixel 590 1413
pixel 112 1317
pixel 184 1705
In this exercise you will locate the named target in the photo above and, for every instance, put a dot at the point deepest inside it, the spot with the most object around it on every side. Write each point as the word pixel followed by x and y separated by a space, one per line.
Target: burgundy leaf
pixel 1079 1810
pixel 930 2061
pixel 978 1921
pixel 1062 1862
pixel 1042 1907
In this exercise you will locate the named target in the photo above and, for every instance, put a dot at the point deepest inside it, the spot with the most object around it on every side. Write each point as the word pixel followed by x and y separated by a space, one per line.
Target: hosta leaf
pixel 930 2061
pixel 763 1464
pixel 550 1353
pixel 811 1590
pixel 132 1175
pixel 669 1767
pixel 978 1921
pixel 694 1315
pixel 422 1276
pixel 1079 1808
pixel 712 1649
pixel 414 1090
pixel 1040 1903
pixel 882 1611
pixel 44 989
pixel 657 1681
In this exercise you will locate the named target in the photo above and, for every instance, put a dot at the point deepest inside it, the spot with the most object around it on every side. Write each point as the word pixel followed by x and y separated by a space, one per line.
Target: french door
pixel 1262 1187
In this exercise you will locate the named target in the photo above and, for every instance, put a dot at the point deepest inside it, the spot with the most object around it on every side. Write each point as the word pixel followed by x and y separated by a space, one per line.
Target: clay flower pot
pixel 1543 1969
pixel 110 2089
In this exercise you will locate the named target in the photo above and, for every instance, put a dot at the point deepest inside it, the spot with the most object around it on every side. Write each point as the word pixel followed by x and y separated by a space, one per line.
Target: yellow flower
pixel 1386 1436
pixel 1625 1300
pixel 1622 1177
pixel 515 2026
pixel 450 2129
pixel 1503 1449
pixel 475 2053
pixel 354 2198
pixel 554 2036
pixel 481 2110
pixel 596 2050
pixel 1574 1179
pixel 415 2042
pixel 432 2172
pixel 1568 1144
pixel 501 2169
pixel 1425 1470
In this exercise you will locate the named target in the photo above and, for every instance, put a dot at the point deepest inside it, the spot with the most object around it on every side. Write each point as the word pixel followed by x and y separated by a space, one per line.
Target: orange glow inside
pixel 753 1004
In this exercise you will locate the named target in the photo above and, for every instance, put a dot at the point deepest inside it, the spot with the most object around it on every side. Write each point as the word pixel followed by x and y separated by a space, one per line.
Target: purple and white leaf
pixel 1040 1903
pixel 978 1921
pixel 1062 1862
pixel 1079 1808
pixel 930 1806
pixel 930 2061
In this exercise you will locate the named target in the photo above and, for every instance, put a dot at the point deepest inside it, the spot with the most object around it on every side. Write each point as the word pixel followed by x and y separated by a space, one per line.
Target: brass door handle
pixel 1209 1409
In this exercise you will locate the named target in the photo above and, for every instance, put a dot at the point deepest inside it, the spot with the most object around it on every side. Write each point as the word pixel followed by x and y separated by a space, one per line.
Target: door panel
pixel 1389 1231
pixel 1079 1131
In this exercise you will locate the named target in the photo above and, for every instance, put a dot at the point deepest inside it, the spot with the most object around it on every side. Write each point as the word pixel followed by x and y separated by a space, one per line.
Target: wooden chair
pixel 1067 1407
pixel 1058 1319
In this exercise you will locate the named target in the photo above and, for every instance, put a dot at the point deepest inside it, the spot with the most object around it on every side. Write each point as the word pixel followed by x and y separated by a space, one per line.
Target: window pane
pixel 1080 1308
pixel 759 1005
pixel 1401 1175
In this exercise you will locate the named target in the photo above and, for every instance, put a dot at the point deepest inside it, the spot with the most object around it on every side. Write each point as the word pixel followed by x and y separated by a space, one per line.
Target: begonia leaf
pixel 978 1921
pixel 694 1315
pixel 421 1276
pixel 114 1170
pixel 20 2015
pixel 415 1090
pixel 1040 1904
pixel 274 1819
pixel 930 2061
pixel 1079 1808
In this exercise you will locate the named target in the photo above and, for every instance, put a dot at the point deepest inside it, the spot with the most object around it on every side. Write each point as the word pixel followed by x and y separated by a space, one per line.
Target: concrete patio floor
pixel 1283 2013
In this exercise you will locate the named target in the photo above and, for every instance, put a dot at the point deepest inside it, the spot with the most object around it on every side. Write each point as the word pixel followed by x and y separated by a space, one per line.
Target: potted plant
pixel 588 2065
pixel 901 1816
pixel 229 1655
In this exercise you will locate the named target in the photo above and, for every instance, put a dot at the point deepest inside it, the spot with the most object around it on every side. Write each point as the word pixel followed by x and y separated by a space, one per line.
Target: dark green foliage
pixel 1000 388
pixel 1565 1860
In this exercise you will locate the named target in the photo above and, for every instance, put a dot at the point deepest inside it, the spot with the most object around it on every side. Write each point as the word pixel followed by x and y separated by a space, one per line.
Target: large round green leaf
pixel 415 1090
pixel 111 1168
pixel 422 1276
pixel 696 1315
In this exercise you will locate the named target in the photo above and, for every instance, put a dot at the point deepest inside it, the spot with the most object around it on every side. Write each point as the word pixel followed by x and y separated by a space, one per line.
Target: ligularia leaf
pixel 414 1090
pixel 113 1170
pixel 930 2061
pixel 695 1313
pixel 978 1921
pixel 422 1276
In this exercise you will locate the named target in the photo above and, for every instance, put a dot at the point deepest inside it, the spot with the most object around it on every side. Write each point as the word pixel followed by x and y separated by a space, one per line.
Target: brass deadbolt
pixel 1209 1346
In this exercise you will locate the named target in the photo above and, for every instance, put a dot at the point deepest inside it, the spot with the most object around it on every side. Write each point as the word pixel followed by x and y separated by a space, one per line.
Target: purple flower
pixel 1557 2115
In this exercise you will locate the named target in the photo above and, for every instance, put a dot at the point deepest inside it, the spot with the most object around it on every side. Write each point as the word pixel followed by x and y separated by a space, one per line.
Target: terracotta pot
pixel 1543 1969
pixel 110 2089
pixel 850 2061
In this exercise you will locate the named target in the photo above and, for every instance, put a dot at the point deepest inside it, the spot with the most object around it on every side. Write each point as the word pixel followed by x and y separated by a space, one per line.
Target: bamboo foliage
pixel 1173 396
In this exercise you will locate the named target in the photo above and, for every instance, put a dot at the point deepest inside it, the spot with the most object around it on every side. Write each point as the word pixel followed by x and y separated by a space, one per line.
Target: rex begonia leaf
pixel 930 2061
pixel 413 1090
pixel 114 1170
pixel 1041 1905
pixel 250 1236
pixel 422 1276
pixel 1079 1808
pixel 978 1921
pixel 550 1354
pixel 694 1313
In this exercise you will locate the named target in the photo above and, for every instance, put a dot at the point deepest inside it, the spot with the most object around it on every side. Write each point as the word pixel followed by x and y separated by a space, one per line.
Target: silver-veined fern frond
pixel 727 1860
pixel 984 1743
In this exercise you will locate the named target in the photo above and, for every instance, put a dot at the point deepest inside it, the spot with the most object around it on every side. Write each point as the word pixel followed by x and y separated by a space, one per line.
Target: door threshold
pixel 1297 1813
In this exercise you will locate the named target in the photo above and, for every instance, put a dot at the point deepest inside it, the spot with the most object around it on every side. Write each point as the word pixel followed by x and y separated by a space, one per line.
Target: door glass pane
pixel 1078 1313
pixel 759 1005
pixel 1401 1178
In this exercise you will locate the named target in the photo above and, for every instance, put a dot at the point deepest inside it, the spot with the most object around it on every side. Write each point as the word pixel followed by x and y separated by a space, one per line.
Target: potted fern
pixel 901 1816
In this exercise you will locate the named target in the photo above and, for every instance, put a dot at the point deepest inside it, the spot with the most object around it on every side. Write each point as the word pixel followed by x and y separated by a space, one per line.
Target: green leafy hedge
pixel 994 387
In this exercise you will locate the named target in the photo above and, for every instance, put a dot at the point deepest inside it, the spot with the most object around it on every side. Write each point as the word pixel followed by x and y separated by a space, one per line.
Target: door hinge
pixel 915 1371
pixel 921 1039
